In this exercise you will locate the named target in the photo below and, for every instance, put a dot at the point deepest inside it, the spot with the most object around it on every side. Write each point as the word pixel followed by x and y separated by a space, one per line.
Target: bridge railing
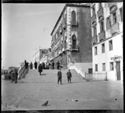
pixel 22 72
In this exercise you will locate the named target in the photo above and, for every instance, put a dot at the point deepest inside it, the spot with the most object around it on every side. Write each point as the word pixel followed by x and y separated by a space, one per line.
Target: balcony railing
pixel 115 28
pixel 100 12
pixel 75 49
pixel 74 24
pixel 111 4
pixel 93 18
pixel 102 36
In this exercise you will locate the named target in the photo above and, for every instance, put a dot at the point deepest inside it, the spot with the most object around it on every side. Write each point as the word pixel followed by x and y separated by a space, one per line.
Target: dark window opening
pixel 73 18
pixel 73 42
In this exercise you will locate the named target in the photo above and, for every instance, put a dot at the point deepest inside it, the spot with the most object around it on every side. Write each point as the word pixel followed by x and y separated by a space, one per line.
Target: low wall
pixel 96 76
pixel 80 68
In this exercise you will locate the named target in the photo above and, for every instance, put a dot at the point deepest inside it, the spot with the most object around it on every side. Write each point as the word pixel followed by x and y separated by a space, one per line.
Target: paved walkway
pixel 34 90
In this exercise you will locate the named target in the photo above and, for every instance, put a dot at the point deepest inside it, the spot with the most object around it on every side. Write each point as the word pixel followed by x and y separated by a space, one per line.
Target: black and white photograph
pixel 62 56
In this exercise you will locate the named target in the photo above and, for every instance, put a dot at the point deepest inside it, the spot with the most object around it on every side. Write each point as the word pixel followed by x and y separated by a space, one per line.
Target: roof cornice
pixel 68 5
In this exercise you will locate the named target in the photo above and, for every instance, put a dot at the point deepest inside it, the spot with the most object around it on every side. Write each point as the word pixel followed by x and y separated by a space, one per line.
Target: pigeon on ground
pixel 45 104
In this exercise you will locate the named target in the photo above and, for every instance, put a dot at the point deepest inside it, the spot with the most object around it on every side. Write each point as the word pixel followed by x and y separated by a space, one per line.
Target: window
pixel 94 30
pixel 103 67
pixel 95 50
pixel 100 5
pixel 73 18
pixel 96 67
pixel 111 66
pixel 108 23
pixel 121 13
pixel 93 10
pixel 114 17
pixel 101 25
pixel 73 42
pixel 103 48
pixel 110 45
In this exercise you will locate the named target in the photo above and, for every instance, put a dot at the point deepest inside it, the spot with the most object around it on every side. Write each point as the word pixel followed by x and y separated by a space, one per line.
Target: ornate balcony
pixel 74 24
pixel 111 4
pixel 76 49
pixel 102 36
pixel 94 41
pixel 100 12
pixel 93 18
pixel 115 28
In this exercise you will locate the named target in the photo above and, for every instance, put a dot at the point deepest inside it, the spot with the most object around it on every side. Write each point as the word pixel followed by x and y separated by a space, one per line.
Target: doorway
pixel 118 74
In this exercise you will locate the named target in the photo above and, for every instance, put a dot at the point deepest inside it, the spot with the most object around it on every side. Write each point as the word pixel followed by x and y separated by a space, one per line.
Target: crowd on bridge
pixel 21 72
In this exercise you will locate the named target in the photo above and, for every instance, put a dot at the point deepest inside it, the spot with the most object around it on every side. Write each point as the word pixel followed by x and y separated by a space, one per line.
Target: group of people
pixel 40 66
pixel 56 65
pixel 59 76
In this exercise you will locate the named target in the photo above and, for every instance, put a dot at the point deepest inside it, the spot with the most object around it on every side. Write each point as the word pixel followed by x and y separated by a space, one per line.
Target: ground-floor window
pixel 103 67
pixel 96 67
pixel 111 66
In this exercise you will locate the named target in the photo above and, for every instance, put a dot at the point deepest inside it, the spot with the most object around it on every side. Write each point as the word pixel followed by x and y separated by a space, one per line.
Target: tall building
pixel 107 36
pixel 39 54
pixel 71 36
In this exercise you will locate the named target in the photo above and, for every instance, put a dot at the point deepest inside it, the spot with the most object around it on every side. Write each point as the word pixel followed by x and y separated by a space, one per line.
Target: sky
pixel 25 29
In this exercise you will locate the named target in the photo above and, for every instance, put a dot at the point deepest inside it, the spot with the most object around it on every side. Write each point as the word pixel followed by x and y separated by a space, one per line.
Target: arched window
pixel 73 18
pixel 73 42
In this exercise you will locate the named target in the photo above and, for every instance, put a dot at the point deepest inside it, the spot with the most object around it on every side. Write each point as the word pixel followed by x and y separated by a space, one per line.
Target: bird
pixel 45 104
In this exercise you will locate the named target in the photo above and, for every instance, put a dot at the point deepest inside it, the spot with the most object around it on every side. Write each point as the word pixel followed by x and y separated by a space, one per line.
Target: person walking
pixel 16 75
pixel 40 68
pixel 52 65
pixel 69 76
pixel 35 65
pixel 58 65
pixel 59 76
pixel 31 65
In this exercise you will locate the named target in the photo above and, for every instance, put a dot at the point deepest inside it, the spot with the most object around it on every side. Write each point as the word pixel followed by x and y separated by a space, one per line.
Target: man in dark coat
pixel 69 76
pixel 52 65
pixel 31 65
pixel 40 68
pixel 35 65
pixel 59 76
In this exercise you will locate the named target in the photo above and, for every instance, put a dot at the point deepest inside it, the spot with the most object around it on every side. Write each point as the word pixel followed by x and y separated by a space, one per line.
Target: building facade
pixel 39 55
pixel 107 36
pixel 71 36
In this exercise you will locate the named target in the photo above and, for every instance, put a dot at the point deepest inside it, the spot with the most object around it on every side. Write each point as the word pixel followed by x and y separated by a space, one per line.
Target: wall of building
pixel 82 32
pixel 117 40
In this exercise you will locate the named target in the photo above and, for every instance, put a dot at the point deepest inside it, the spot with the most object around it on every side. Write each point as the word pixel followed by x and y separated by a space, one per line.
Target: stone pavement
pixel 30 93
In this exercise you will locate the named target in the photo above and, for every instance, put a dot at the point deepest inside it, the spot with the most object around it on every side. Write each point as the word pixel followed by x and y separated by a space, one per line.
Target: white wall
pixel 106 57
pixel 80 68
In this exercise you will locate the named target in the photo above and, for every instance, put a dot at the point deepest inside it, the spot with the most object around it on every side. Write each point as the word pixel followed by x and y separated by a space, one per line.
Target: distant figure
pixel 26 64
pixel 59 76
pixel 14 75
pixel 31 65
pixel 69 76
pixel 40 68
pixel 43 64
pixel 35 65
pixel 52 65
pixel 58 65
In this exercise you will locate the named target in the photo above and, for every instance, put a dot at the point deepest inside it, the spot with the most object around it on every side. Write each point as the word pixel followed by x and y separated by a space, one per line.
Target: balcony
pixel 75 49
pixel 115 28
pixel 100 12
pixel 111 4
pixel 94 41
pixel 74 24
pixel 93 18
pixel 102 36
